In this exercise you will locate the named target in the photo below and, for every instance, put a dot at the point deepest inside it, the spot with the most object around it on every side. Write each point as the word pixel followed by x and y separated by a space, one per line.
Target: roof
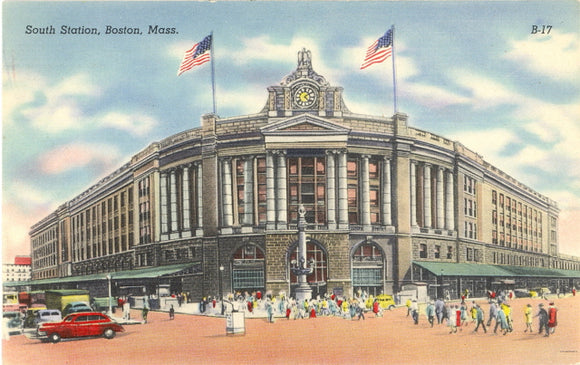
pixel 464 269
pixel 147 273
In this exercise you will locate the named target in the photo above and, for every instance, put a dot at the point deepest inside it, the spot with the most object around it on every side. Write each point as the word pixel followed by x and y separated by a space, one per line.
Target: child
pixel 171 312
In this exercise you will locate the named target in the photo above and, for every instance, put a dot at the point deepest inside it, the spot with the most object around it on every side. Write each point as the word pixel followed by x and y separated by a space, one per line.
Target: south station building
pixel 214 210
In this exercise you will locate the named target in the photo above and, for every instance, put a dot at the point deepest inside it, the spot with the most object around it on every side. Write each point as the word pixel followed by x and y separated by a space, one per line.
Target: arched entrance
pixel 368 268
pixel 316 258
pixel 248 268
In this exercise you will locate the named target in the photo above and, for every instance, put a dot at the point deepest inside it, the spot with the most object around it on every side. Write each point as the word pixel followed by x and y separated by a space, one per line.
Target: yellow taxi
pixel 386 301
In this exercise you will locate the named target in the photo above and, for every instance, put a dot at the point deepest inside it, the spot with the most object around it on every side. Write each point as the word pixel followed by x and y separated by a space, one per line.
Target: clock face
pixel 304 96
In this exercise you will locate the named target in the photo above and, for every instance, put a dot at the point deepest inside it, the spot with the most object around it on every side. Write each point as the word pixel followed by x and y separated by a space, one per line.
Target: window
pixel 449 252
pixel 469 254
pixel 423 251
pixel 437 252
pixel 307 186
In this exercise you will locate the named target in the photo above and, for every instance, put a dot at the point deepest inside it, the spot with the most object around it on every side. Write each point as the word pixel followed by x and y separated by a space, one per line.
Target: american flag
pixel 197 55
pixel 380 50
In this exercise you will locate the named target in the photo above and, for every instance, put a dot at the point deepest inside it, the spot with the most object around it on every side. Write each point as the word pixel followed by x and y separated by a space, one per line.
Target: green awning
pixel 147 273
pixel 463 269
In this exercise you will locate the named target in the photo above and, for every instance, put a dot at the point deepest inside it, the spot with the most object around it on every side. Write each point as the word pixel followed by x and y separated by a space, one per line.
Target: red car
pixel 80 325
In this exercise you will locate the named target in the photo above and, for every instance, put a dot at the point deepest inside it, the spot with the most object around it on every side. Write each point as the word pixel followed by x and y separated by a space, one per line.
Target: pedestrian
pixel 501 320
pixel 492 313
pixel 439 306
pixel 430 312
pixel 507 310
pixel 552 318
pixel 451 319
pixel 171 313
pixel 360 310
pixel 144 313
pixel 377 308
pixel 270 310
pixel 473 312
pixel 479 317
pixel 542 320
pixel 202 305
pixel 408 304
pixel 126 310
pixel 528 317
pixel 415 311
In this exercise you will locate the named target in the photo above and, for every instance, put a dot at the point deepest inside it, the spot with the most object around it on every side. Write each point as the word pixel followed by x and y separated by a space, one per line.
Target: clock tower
pixel 305 91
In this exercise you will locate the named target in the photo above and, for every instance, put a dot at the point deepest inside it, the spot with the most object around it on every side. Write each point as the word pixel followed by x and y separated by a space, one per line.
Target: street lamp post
pixel 110 312
pixel 220 285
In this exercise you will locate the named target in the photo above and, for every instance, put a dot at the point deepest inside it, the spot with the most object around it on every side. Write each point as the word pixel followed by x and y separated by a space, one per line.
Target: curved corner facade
pixel 222 201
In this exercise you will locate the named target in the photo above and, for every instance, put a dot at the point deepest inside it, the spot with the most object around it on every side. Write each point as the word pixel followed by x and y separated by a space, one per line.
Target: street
pixel 191 339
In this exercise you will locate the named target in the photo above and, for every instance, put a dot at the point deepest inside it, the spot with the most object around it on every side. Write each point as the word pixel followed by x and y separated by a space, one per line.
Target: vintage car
pixel 76 307
pixel 30 319
pixel 82 324
pixel 12 321
pixel 386 301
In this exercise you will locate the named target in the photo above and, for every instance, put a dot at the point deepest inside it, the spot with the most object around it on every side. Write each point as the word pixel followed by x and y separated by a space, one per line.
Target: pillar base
pixel 303 292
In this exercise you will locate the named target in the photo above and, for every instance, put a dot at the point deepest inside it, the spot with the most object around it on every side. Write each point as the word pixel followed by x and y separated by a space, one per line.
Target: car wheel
pixel 54 337
pixel 109 333
pixel 391 307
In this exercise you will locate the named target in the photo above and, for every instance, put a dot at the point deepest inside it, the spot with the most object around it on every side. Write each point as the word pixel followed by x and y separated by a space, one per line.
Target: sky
pixel 500 77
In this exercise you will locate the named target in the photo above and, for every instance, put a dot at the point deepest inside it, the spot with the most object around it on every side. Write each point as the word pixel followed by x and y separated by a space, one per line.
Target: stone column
pixel 365 198
pixel 413 194
pixel 342 192
pixel 249 191
pixel 440 206
pixel 386 201
pixel 449 204
pixel 330 190
pixel 186 208
pixel 173 200
pixel 199 185
pixel 427 195
pixel 281 195
pixel 227 193
pixel 163 202
pixel 270 192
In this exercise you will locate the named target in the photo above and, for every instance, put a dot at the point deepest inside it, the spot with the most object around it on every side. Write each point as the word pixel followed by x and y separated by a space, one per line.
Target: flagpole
pixel 394 70
pixel 213 73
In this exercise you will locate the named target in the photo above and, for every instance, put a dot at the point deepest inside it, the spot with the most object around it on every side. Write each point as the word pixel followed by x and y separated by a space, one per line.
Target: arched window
pixel 315 258
pixel 248 269
pixel 368 268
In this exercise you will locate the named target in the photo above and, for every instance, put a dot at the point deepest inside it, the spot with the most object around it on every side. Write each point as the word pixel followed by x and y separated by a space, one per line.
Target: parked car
pixel 522 293
pixel 76 307
pixel 539 292
pixel 48 315
pixel 386 301
pixel 30 318
pixel 12 321
pixel 83 324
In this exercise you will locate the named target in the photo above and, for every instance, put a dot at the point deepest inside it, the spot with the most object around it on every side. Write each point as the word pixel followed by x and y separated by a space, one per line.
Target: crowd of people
pixel 459 315
pixel 282 306
pixel 456 315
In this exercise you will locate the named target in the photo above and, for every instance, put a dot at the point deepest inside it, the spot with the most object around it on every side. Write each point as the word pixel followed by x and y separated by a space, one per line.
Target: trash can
pixel 235 323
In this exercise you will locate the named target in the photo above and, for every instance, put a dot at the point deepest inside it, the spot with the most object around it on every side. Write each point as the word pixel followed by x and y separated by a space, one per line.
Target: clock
pixel 304 95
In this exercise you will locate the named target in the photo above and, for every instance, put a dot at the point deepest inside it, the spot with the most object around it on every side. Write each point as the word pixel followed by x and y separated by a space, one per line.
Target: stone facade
pixel 379 195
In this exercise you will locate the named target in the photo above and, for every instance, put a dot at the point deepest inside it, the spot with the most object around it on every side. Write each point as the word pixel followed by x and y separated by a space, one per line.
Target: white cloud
pixel 49 108
pixel 136 124
pixel 77 155
pixel 18 90
pixel 431 96
pixel 555 55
